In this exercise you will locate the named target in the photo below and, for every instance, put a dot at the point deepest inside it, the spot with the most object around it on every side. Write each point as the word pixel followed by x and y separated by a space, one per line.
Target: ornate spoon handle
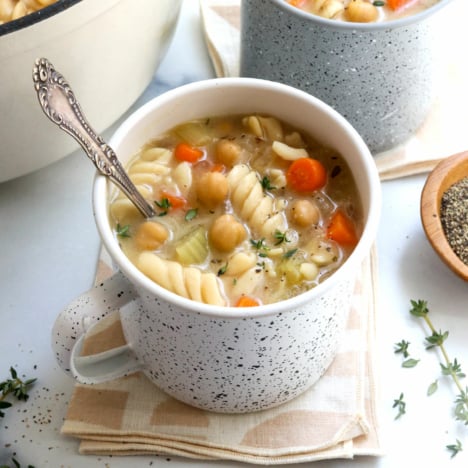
pixel 58 102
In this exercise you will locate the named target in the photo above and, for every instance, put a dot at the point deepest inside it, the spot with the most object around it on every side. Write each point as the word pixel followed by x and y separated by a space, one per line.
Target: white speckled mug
pixel 379 76
pixel 221 358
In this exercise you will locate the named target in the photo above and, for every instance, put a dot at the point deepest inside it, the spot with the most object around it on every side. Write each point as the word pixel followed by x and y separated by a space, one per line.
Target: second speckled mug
pixel 379 76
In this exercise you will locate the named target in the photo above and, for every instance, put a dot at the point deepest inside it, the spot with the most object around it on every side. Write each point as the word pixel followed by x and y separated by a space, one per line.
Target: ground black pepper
pixel 454 218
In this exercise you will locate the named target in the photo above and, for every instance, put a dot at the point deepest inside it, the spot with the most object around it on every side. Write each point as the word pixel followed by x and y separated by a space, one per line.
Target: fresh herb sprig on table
pixel 448 368
pixel 14 386
pixel 18 388
pixel 16 464
pixel 400 404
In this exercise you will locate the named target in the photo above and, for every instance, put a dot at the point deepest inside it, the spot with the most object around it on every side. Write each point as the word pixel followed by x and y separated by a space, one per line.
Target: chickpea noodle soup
pixel 249 211
pixel 363 11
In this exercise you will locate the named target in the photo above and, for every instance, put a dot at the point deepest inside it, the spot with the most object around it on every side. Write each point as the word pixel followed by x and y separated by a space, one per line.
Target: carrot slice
pixel 397 4
pixel 175 201
pixel 246 301
pixel 296 3
pixel 342 230
pixel 218 167
pixel 188 153
pixel 306 175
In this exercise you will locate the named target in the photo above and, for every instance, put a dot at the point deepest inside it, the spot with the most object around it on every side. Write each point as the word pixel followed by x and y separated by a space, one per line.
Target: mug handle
pixel 70 327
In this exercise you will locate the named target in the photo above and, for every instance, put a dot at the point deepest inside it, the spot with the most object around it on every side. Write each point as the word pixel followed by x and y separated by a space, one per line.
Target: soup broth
pixel 363 11
pixel 250 211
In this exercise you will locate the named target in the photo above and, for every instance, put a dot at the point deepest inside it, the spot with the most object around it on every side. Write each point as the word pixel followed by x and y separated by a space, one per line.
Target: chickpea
pixel 359 11
pixel 227 152
pixel 226 233
pixel 331 8
pixel 212 188
pixel 150 235
pixel 304 212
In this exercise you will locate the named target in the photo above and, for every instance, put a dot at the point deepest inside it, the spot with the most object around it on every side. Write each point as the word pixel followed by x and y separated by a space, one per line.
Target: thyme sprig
pixel 13 386
pixel 16 464
pixel 448 368
pixel 18 388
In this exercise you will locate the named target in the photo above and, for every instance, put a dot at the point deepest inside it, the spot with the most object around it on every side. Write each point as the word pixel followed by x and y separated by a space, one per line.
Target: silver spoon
pixel 59 103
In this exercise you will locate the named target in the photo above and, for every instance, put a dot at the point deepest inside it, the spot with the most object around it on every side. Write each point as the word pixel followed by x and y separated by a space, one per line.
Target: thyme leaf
pixel 410 363
pixel 400 404
pixel 123 231
pixel 280 237
pixel 266 184
pixel 222 270
pixel 191 214
pixel 289 253
pixel 259 244
pixel 432 388
pixel 164 204
pixel 455 448
pixel 402 347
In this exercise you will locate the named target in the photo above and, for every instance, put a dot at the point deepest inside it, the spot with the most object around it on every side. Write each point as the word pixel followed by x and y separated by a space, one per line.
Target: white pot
pixel 108 50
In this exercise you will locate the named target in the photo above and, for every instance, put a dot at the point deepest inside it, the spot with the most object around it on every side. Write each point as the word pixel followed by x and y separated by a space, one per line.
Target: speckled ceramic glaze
pixel 221 358
pixel 379 76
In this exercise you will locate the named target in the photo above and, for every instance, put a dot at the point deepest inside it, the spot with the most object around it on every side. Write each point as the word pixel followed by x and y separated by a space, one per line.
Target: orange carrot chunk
pixel 246 301
pixel 218 168
pixel 187 153
pixel 306 175
pixel 296 3
pixel 397 4
pixel 342 230
pixel 175 201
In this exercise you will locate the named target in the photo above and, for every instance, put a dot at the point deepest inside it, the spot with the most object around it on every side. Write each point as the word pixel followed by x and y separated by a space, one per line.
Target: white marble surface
pixel 49 247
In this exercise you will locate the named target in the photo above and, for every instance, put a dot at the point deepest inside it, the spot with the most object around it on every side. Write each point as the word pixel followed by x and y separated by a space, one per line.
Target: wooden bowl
pixel 445 174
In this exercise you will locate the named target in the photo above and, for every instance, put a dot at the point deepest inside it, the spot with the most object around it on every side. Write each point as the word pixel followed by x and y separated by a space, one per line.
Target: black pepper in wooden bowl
pixel 444 211
pixel 454 217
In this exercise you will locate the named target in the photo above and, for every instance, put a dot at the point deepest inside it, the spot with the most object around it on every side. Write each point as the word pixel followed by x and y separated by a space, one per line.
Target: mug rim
pixel 101 212
pixel 361 27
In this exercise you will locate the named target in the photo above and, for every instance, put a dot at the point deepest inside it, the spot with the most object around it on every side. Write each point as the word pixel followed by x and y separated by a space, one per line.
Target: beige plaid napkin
pixel 445 130
pixel 336 418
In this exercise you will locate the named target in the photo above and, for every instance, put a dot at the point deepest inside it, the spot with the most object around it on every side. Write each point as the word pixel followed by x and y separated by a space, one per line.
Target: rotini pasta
pixel 249 201
pixel 187 282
